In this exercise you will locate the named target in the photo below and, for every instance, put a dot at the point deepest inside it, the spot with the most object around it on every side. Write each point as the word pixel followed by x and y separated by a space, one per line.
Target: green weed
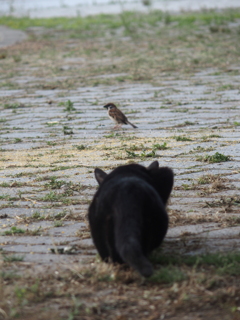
pixel 37 216
pixel 32 293
pixel 52 197
pixel 80 147
pixel 54 183
pixel 158 146
pixel 75 310
pixel 217 157
pixel 225 263
pixel 207 138
pixel 69 106
pixel 130 21
pixel 227 87
pixel 111 135
pixel 204 180
pixel 167 275
pixel 4 197
pixel 14 230
pixel 186 186
pixel 131 154
pixel 52 124
pixel 61 168
pixel 58 224
pixel 50 143
pixel 12 258
pixel 180 110
pixel 11 106
pixel 67 130
pixel 189 123
pixel 151 154
pixel 199 149
pixel 181 138
pixel 214 136
pixel 5 185
pixel 60 215
pixel 8 276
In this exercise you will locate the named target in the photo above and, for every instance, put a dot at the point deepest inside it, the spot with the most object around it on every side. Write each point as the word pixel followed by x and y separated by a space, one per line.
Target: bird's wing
pixel 118 115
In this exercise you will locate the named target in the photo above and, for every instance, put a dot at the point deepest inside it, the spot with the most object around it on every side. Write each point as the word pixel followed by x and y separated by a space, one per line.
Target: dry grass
pixel 115 292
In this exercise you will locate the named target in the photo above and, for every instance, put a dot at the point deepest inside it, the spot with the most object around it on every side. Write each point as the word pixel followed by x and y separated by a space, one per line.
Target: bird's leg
pixel 118 126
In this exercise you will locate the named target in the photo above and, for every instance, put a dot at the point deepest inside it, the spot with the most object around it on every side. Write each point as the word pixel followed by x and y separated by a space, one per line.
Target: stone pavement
pixel 9 36
pixel 48 156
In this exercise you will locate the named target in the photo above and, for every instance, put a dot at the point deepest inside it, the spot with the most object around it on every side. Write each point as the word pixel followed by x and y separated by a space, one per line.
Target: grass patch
pixel 54 183
pixel 199 149
pixel 182 138
pixel 13 105
pixel 150 154
pixel 5 185
pixel 208 138
pixel 50 143
pixel 143 154
pixel 204 180
pixel 181 110
pixel 228 263
pixel 58 224
pixel 158 146
pixel 13 230
pixel 131 154
pixel 189 123
pixel 12 258
pixel 31 293
pixel 112 135
pixel 13 184
pixel 215 158
pixel 125 19
pixel 80 147
pixel 208 178
pixel 37 216
pixel 159 37
pixel 52 123
pixel 52 197
pixel 61 168
pixel 226 202
pixel 167 275
pixel 9 276
pixel 69 106
pixel 67 130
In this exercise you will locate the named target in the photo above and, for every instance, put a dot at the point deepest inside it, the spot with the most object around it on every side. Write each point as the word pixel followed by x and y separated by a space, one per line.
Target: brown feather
pixel 116 115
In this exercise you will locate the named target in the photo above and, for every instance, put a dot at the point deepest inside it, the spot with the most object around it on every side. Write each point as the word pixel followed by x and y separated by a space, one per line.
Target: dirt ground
pixel 180 86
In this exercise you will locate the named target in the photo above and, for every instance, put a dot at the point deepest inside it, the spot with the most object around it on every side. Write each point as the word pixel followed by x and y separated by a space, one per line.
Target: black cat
pixel 127 216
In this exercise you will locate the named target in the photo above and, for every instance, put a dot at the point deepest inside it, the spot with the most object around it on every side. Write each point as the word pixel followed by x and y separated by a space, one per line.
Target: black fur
pixel 127 216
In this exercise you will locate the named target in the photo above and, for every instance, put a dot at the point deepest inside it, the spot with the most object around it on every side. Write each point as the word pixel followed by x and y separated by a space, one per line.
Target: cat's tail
pixel 128 240
pixel 131 253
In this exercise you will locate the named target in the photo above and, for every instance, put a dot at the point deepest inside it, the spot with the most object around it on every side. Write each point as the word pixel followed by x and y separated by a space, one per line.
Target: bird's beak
pixel 105 106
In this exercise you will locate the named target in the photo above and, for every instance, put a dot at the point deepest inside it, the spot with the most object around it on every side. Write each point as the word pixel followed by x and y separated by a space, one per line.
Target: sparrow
pixel 117 116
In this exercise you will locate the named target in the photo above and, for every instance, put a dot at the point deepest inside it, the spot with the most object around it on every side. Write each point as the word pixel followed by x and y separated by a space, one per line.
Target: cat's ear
pixel 153 165
pixel 100 175
pixel 163 179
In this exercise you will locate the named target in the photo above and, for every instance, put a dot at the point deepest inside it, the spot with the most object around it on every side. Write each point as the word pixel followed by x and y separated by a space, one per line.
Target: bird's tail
pixel 131 124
